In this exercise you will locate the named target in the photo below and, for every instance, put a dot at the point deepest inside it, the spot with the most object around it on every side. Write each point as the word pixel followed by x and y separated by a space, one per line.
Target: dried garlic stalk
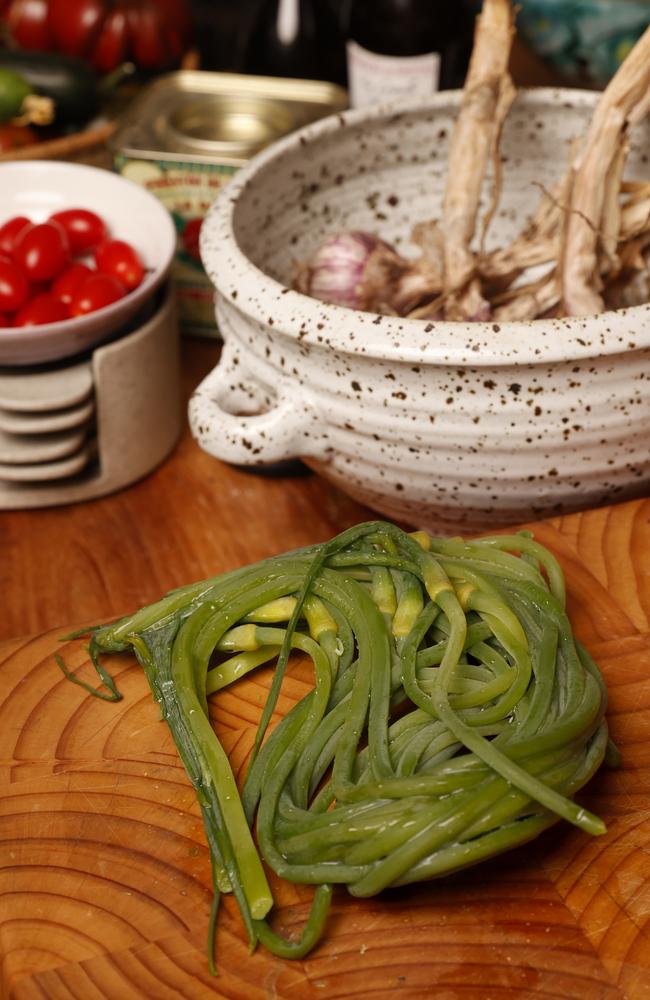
pixel 537 298
pixel 591 231
pixel 537 244
pixel 487 97
pixel 596 178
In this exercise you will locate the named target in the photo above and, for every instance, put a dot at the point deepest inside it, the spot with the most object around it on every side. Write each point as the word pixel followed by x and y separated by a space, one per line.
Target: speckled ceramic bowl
pixel 450 426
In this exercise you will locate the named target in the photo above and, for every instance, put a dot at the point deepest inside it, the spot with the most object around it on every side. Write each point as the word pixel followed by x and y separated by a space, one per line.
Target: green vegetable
pixel 68 82
pixel 18 101
pixel 13 91
pixel 453 715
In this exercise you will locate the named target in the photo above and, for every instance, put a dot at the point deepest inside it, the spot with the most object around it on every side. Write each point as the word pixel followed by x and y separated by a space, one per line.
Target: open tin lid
pixel 223 117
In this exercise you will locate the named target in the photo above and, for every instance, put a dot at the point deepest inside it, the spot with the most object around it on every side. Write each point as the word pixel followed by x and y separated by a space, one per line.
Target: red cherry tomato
pixel 14 286
pixel 120 259
pixel 43 308
pixel 4 322
pixel 191 236
pixel 96 292
pixel 9 231
pixel 67 284
pixel 84 229
pixel 42 250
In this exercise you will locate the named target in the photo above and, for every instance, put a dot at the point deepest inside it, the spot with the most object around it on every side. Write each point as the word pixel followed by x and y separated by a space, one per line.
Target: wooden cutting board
pixel 104 871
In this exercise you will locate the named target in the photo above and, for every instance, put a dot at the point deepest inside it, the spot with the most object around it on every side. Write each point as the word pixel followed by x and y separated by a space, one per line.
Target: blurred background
pixel 579 42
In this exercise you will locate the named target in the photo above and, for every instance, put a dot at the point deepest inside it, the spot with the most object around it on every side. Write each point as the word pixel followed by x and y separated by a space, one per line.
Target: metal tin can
pixel 187 133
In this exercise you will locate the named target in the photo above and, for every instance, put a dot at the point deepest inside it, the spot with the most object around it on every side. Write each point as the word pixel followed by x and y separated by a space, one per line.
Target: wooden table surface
pixel 104 871
pixel 105 882
pixel 193 517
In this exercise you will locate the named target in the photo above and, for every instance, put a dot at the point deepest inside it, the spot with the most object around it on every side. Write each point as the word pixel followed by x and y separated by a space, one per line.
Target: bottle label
pixel 374 78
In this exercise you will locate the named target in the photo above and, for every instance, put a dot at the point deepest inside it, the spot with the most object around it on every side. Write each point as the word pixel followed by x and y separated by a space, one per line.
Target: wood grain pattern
pixel 192 517
pixel 104 877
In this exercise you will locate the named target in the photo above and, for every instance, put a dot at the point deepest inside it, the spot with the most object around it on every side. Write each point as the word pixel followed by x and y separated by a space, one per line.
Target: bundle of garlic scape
pixel 591 231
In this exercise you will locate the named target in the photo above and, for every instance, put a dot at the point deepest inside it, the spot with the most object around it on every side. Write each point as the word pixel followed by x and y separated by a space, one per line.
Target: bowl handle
pixel 289 429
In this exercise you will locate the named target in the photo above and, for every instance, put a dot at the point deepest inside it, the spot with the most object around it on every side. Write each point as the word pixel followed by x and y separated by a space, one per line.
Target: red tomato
pixel 14 286
pixel 120 259
pixel 27 22
pixel 67 284
pixel 9 231
pixel 111 46
pixel 42 250
pixel 152 33
pixel 4 322
pixel 150 47
pixel 97 291
pixel 74 24
pixel 84 228
pixel 43 308
pixel 191 236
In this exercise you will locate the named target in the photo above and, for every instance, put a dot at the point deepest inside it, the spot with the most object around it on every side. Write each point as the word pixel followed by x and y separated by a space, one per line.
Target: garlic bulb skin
pixel 336 273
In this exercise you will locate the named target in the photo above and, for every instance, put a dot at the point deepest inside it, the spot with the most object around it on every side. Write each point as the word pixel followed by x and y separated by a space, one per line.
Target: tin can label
pixel 187 190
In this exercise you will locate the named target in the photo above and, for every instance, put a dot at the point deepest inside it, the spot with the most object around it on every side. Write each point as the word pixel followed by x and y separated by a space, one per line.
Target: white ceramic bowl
pixel 452 426
pixel 37 188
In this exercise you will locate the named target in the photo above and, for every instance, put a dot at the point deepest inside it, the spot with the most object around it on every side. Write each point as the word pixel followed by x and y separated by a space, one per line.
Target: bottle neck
pixel 399 27
pixel 287 21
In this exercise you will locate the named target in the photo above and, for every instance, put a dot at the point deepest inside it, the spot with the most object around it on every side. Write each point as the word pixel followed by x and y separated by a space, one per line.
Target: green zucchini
pixel 69 82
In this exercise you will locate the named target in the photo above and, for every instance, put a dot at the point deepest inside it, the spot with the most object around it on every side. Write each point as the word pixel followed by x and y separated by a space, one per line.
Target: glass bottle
pixel 297 38
pixel 399 49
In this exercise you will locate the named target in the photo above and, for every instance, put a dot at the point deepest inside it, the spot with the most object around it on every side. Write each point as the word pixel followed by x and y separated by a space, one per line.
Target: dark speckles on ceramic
pixel 445 425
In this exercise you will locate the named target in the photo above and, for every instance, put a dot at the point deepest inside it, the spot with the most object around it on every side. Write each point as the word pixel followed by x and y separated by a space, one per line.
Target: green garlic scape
pixel 453 714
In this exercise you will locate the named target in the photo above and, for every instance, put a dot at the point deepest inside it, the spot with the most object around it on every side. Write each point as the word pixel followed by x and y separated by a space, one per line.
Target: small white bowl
pixel 37 188
pixel 452 426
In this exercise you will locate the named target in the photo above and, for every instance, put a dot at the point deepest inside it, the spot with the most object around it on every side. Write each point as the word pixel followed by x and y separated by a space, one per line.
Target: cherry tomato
pixel 14 286
pixel 190 237
pixel 4 322
pixel 67 284
pixel 9 231
pixel 43 308
pixel 42 250
pixel 96 292
pixel 120 259
pixel 84 228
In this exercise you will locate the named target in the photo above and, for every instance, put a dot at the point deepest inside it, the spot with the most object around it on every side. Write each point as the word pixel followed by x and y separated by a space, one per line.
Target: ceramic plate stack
pixel 46 423
pixel 78 429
